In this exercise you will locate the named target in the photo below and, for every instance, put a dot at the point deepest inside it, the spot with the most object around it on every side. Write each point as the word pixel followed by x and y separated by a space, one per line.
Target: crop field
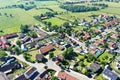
pixel 10 24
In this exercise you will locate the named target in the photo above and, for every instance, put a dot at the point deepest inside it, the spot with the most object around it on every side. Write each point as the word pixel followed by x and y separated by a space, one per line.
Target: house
pixel 3 76
pixel 112 45
pixel 23 47
pixel 67 45
pixel 41 33
pixel 33 74
pixel 8 68
pixel 114 36
pixel 95 67
pixel 65 76
pixel 8 36
pixel 45 49
pixel 21 77
pixel 4 44
pixel 39 57
pixel 4 40
pixel 30 72
pixel 60 58
pixel 118 64
pixel 62 35
pixel 43 76
pixel 87 24
pixel 21 35
pixel 32 44
pixel 56 41
pixel 87 35
pixel 26 39
pixel 39 44
pixel 110 75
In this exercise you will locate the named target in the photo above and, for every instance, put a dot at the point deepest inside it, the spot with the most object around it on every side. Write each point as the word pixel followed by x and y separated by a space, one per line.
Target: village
pixel 87 54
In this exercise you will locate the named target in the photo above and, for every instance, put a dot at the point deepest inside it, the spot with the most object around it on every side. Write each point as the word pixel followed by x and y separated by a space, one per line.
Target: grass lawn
pixel 34 12
pixel 100 77
pixel 1 62
pixel 33 53
pixel 12 24
pixel 105 57
pixel 78 28
pixel 55 21
pixel 57 51
pixel 114 66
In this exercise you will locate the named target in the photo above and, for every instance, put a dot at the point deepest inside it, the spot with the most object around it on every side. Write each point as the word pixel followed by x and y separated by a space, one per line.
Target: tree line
pixel 101 5
pixel 78 8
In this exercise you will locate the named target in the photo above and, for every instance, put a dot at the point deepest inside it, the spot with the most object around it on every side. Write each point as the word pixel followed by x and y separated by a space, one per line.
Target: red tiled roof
pixel 65 76
pixel 2 45
pixel 112 23
pixel 10 35
pixel 46 49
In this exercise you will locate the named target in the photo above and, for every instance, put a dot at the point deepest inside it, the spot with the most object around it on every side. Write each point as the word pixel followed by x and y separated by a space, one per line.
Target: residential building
pixel 45 49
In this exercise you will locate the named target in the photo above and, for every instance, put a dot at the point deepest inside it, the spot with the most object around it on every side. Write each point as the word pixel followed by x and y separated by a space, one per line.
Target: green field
pixel 19 16
pixel 55 21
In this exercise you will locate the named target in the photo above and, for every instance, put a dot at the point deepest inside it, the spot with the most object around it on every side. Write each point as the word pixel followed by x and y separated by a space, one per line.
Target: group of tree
pixel 47 15
pixel 24 28
pixel 69 53
pixel 7 15
pixel 24 6
pixel 32 34
pixel 51 54
pixel 19 43
pixel 2 54
pixel 78 8
pixel 27 57
pixel 65 28
pixel 101 5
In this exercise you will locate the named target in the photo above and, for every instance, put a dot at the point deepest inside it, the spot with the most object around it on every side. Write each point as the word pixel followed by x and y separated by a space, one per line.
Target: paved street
pixel 78 75
pixel 81 44
pixel 51 65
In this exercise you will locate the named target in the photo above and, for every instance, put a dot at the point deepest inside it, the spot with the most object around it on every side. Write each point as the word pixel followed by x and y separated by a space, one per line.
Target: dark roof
pixel 32 44
pixel 34 75
pixel 9 67
pixel 95 67
pixel 68 45
pixel 43 74
pixel 30 71
pixel 57 40
pixel 25 39
pixel 110 74
pixel 21 77
pixel 22 35
pixel 46 49
pixel 8 36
